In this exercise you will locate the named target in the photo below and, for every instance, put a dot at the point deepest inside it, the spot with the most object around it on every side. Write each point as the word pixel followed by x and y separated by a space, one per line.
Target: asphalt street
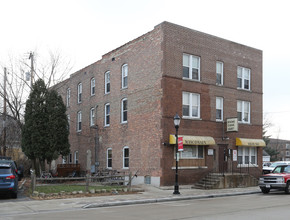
pixel 251 206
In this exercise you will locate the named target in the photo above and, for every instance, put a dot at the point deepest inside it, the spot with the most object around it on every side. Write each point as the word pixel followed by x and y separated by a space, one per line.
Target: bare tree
pixel 52 70
pixel 267 124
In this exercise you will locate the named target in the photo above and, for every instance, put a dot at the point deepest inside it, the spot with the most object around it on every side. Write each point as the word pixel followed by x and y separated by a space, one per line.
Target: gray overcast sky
pixel 84 30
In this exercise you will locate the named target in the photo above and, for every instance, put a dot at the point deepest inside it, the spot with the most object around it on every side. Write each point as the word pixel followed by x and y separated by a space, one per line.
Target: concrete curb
pixel 166 199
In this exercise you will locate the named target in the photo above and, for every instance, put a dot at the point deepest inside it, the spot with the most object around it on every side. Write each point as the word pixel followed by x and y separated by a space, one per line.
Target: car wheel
pixel 265 190
pixel 287 189
pixel 14 195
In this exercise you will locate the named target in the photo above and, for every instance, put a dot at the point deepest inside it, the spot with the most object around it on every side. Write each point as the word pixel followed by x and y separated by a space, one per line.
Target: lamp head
pixel 176 120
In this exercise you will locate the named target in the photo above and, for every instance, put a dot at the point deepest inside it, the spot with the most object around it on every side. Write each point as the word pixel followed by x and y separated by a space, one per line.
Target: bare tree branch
pixel 52 71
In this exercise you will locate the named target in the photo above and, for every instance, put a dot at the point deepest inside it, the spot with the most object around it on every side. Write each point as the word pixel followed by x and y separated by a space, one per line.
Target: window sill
pixel 124 122
pixel 246 90
pixel 191 80
pixel 106 126
pixel 190 118
pixel 244 123
pixel 220 121
pixel 218 84
pixel 190 168
pixel 189 158
pixel 247 165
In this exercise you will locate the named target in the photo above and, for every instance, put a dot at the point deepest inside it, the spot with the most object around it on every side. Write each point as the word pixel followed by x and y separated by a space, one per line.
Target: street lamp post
pixel 176 120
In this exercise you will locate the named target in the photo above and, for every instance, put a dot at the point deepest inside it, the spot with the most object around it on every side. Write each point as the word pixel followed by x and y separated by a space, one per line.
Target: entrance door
pixel 223 165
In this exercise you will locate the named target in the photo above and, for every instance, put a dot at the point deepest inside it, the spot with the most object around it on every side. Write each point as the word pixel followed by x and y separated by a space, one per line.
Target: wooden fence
pixel 64 170
pixel 118 178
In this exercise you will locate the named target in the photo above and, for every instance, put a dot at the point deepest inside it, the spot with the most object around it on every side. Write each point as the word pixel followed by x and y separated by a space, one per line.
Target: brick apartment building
pixel 282 147
pixel 121 107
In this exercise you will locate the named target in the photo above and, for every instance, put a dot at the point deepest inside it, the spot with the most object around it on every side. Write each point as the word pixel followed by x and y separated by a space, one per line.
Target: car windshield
pixel 276 164
pixel 282 169
pixel 5 170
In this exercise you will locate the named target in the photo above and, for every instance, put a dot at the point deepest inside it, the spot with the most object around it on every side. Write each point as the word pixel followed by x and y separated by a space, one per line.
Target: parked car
pixel 267 164
pixel 8 180
pixel 273 165
pixel 19 170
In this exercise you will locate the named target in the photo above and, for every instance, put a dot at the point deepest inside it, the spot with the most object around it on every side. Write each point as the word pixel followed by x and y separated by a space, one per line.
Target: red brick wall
pixel 210 49
pixel 142 133
pixel 154 95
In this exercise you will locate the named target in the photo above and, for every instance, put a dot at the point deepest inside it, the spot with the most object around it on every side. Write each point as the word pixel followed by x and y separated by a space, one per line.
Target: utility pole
pixel 4 113
pixel 31 57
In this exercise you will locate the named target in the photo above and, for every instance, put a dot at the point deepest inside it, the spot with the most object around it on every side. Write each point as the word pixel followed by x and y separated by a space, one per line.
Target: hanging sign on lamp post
pixel 180 143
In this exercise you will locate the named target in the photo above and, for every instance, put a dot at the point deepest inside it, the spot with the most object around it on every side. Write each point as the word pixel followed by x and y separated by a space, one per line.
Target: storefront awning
pixel 250 142
pixel 192 140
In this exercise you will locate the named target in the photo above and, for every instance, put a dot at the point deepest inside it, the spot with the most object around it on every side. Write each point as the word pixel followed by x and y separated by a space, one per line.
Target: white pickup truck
pixel 269 169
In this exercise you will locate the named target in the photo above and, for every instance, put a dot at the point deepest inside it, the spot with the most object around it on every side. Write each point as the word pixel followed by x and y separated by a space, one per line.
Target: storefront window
pixel 247 155
pixel 246 150
pixel 192 152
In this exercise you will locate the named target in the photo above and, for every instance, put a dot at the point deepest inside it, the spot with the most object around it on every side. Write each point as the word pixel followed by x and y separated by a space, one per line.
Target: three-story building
pixel 121 108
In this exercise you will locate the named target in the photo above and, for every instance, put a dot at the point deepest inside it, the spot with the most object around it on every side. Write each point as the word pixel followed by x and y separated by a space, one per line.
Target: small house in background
pixel 12 139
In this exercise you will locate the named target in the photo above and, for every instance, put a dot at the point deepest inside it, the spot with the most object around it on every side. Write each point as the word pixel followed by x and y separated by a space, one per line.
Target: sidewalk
pixel 151 194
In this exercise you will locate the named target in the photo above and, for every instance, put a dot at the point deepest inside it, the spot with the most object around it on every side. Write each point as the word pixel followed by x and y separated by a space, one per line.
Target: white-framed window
pixel 219 73
pixel 219 108
pixel 247 155
pixel 124 111
pixel 80 90
pixel 92 116
pixel 244 78
pixel 124 76
pixel 107 114
pixel 126 157
pixel 107 82
pixel 191 67
pixel 287 146
pixel 190 105
pixel 79 121
pixel 70 158
pixel 287 153
pixel 76 157
pixel 68 97
pixel 93 86
pixel 192 152
pixel 64 160
pixel 243 109
pixel 109 158
pixel 68 121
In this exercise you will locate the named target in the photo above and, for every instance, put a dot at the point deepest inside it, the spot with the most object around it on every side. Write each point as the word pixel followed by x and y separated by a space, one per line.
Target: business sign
pixel 232 124
pixel 210 152
pixel 180 143
pixel 235 155
pixel 195 142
